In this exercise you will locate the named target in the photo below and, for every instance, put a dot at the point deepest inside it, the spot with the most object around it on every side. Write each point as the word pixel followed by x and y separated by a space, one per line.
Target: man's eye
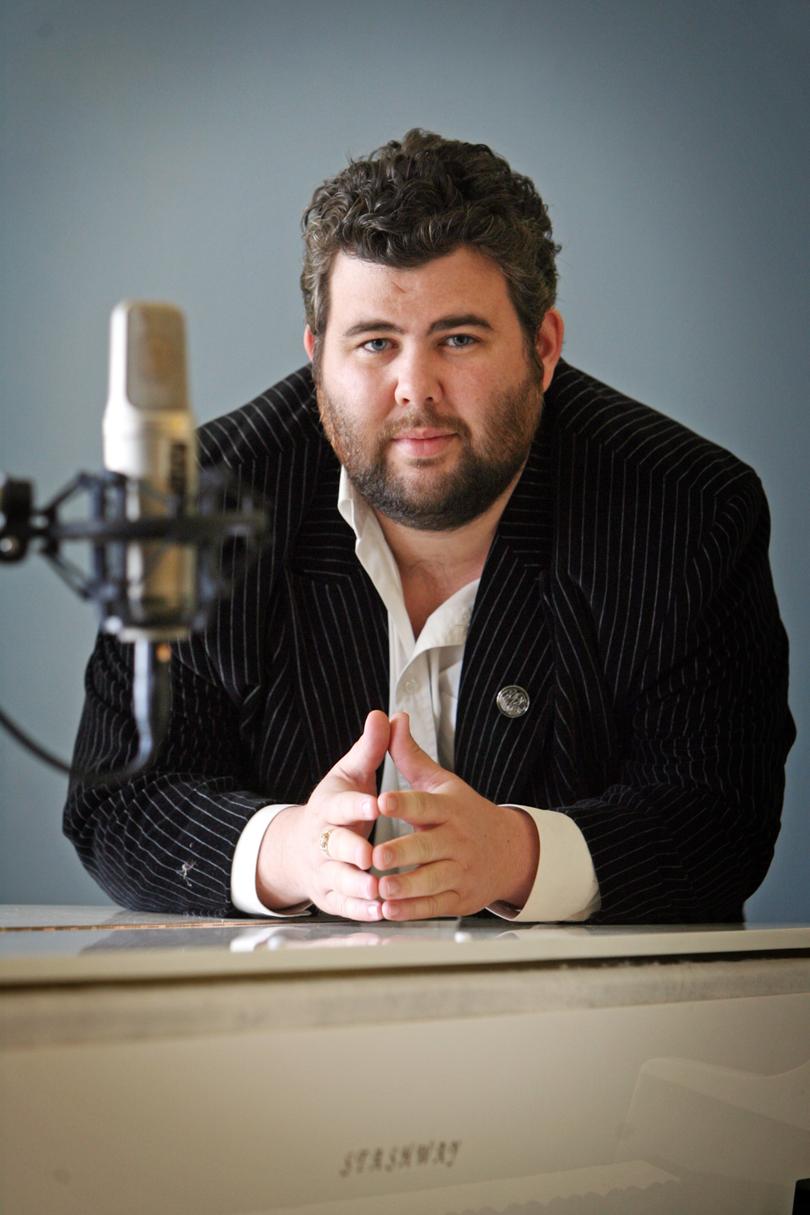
pixel 376 345
pixel 459 341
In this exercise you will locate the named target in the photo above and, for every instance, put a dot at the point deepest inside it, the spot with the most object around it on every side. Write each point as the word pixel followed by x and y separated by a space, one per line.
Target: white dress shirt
pixel 424 679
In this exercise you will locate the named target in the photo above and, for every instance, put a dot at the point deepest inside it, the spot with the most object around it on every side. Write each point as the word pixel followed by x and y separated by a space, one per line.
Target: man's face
pixel 425 387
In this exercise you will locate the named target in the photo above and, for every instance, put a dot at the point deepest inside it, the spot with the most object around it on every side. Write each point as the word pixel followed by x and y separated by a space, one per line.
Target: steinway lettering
pixel 400 1156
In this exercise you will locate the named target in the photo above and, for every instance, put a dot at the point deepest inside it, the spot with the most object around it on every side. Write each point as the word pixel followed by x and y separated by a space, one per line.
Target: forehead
pixel 459 282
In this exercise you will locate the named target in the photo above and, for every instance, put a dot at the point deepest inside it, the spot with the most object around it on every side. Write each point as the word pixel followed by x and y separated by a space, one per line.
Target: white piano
pixel 162 1064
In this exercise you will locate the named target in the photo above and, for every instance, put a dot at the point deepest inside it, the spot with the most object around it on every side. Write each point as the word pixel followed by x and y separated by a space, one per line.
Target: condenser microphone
pixel 149 439
pixel 157 526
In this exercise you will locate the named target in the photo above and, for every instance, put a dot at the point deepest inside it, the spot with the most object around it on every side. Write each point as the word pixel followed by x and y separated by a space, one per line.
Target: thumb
pixel 359 765
pixel 419 770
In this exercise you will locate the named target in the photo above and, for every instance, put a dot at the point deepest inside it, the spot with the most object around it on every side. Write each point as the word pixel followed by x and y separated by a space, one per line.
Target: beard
pixel 445 500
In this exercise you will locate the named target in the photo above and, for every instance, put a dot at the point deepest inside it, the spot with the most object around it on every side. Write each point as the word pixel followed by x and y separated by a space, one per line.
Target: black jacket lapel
pixel 510 643
pixel 339 626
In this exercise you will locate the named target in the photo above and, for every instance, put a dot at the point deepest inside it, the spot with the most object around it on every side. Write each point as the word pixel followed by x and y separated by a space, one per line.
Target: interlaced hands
pixel 468 852
pixel 295 867
pixel 465 852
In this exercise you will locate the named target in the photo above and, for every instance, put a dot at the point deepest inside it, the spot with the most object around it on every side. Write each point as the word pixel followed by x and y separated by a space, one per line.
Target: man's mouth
pixel 423 441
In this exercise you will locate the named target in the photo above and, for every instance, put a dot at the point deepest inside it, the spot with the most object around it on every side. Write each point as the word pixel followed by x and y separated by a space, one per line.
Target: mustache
pixel 425 418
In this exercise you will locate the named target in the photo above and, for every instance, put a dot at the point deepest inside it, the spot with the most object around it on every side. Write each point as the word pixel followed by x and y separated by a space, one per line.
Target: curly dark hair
pixel 423 197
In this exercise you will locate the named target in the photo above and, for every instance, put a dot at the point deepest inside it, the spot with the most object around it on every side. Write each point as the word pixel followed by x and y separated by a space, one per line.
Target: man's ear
pixel 309 342
pixel 549 343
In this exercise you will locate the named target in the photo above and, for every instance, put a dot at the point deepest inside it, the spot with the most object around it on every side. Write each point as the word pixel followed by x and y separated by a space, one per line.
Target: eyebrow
pixel 463 320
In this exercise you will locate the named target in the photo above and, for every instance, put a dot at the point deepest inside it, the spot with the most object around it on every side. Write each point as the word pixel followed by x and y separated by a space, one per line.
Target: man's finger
pixel 415 848
pixel 415 807
pixel 432 907
pixel 348 881
pixel 416 766
pixel 345 807
pixel 341 844
pixel 427 879
pixel 351 908
pixel 359 765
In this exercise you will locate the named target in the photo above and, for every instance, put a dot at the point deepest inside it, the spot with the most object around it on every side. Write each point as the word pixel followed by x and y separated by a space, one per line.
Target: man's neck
pixel 434 565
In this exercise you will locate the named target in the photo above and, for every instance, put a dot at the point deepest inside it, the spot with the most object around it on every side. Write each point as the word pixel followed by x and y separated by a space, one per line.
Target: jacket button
pixel 512 701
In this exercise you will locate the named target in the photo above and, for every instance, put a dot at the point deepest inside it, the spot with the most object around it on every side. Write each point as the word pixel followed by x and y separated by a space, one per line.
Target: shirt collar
pixel 448 625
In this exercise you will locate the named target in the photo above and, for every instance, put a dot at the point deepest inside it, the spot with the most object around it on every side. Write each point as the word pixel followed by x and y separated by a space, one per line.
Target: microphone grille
pixel 155 361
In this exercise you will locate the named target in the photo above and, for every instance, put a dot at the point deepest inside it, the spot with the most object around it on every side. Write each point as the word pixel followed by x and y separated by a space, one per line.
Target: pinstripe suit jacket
pixel 627 589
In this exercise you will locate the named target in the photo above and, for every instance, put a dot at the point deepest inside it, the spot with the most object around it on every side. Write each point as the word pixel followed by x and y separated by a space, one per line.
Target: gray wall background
pixel 166 149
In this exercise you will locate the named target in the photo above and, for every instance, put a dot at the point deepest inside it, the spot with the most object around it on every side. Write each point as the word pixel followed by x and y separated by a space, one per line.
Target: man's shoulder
pixel 597 423
pixel 274 427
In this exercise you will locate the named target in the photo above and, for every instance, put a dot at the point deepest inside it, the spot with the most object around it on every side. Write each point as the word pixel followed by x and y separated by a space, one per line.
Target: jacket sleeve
pixel 686 830
pixel 163 840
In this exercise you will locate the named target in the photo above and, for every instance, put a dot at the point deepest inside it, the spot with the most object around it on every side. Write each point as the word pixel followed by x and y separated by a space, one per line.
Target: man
pixel 513 644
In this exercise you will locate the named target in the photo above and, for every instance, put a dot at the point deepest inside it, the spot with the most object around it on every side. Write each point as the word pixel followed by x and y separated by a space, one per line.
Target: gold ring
pixel 324 841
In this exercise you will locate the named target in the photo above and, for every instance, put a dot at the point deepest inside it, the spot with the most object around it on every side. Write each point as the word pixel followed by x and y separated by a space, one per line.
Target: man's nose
pixel 418 381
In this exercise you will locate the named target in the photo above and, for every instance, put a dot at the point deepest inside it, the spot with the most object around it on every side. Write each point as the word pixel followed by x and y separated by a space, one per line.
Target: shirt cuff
pixel 243 869
pixel 565 885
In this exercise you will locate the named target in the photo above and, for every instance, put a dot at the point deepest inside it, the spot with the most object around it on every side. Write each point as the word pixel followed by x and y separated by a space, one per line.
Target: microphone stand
pixel 109 533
